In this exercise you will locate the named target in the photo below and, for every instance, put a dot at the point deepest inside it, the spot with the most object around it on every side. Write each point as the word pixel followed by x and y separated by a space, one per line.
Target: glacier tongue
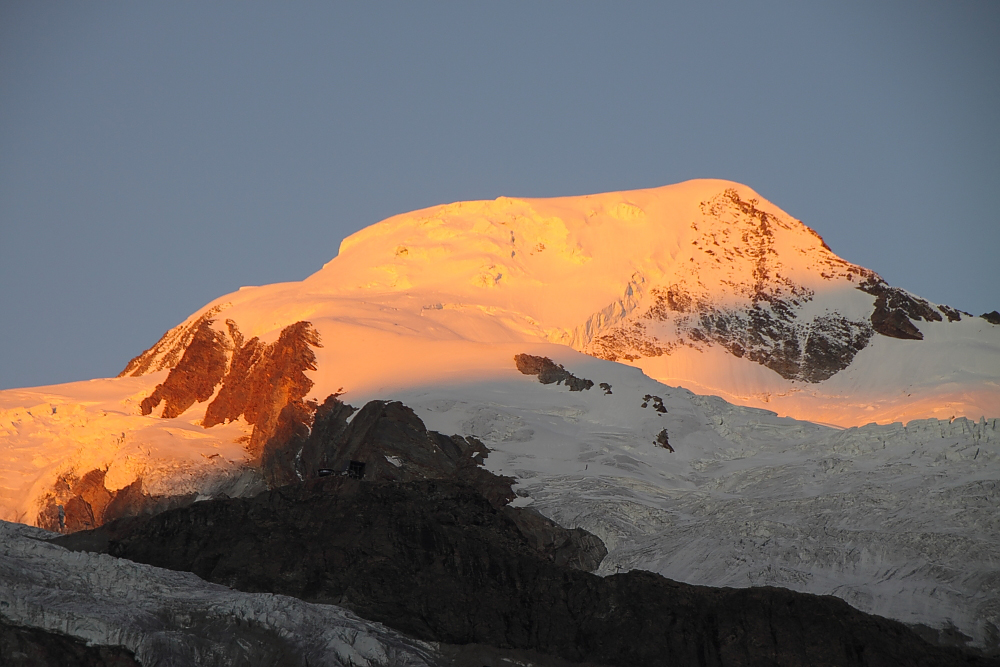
pixel 175 618
pixel 898 520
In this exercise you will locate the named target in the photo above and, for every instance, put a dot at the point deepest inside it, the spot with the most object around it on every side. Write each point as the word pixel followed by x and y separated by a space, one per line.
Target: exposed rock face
pixel 770 336
pixel 895 309
pixel 953 314
pixel 76 504
pixel 992 318
pixel 395 446
pixel 663 440
pixel 267 385
pixel 437 560
pixel 391 441
pixel 32 647
pixel 302 456
pixel 167 351
pixel 767 328
pixel 575 548
pixel 549 372
pixel 756 310
pixel 83 503
pixel 193 379
pixel 657 403
pixel 768 332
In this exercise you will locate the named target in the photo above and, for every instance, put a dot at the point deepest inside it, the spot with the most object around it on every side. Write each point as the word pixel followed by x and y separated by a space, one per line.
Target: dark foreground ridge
pixel 438 560
pixel 31 647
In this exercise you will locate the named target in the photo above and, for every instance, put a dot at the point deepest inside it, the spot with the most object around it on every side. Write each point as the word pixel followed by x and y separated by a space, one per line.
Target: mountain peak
pixel 704 284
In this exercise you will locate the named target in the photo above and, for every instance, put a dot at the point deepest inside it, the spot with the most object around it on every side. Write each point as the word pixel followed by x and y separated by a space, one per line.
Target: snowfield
pixel 900 521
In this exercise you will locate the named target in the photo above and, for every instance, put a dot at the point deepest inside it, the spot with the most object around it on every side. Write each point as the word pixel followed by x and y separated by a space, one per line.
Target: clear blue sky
pixel 156 155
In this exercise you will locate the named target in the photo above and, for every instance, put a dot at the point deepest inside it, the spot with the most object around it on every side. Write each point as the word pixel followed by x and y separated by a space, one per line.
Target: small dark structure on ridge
pixel 354 470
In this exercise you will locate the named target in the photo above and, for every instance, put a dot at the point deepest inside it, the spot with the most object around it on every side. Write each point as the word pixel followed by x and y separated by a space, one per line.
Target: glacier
pixel 175 618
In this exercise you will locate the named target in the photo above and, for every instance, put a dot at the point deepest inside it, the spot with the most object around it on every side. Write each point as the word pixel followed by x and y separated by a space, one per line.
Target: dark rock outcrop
pixel 657 403
pixel 575 548
pixel 437 560
pixel 549 372
pixel 34 647
pixel 392 442
pixel 767 331
pixel 992 318
pixel 663 440
pixel 629 341
pixel 895 310
pixel 769 334
pixel 953 314
pixel 395 446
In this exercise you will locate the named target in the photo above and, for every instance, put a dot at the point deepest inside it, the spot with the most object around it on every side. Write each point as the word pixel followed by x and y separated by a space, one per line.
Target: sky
pixel 157 155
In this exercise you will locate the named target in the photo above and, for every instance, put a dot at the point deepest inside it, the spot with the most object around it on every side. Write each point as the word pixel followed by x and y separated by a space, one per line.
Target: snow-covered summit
pixel 702 284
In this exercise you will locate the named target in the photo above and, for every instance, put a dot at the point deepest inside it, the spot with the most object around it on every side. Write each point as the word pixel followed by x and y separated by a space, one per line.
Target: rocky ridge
pixel 768 321
pixel 31 647
pixel 423 557
pixel 265 384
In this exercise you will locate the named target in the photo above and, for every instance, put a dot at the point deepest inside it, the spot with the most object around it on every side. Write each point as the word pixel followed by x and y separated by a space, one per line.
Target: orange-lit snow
pixel 450 293
pixel 562 270
pixel 73 428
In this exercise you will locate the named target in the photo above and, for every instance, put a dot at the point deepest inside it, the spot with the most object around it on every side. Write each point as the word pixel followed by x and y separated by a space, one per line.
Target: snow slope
pixel 898 520
pixel 51 433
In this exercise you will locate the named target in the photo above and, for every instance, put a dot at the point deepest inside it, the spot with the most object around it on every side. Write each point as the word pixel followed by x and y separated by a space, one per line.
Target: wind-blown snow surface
pixel 175 618
pixel 430 308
